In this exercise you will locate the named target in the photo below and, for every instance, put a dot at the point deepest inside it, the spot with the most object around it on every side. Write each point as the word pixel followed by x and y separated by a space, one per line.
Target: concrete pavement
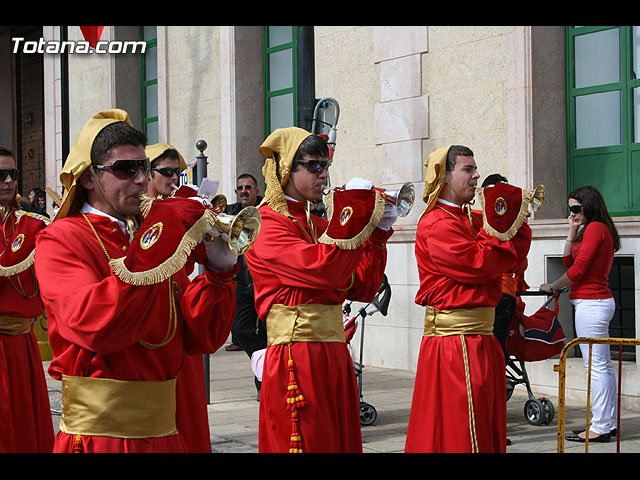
pixel 234 409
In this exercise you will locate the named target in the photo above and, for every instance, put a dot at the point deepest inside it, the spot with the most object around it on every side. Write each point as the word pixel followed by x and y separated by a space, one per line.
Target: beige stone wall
pixel 193 92
pixel 465 74
pixel 89 86
pixel 404 92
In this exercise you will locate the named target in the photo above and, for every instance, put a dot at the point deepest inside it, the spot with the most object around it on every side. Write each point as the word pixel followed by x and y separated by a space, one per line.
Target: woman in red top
pixel 588 255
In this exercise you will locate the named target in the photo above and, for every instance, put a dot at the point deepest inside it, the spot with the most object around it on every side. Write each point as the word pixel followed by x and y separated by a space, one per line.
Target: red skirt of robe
pixel 25 415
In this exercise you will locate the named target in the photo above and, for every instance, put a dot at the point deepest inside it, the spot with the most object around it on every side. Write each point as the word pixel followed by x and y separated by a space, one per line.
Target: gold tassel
pixel 145 204
pixel 295 401
pixel 130 228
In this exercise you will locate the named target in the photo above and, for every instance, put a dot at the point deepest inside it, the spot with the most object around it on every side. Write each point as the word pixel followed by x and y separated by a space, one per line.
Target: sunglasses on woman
pixel 575 208
pixel 167 171
pixel 126 169
pixel 8 172
pixel 315 166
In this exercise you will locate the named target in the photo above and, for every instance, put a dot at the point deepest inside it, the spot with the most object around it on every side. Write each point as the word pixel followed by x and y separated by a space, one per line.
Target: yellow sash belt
pixel 14 325
pixel 463 321
pixel 305 323
pixel 118 408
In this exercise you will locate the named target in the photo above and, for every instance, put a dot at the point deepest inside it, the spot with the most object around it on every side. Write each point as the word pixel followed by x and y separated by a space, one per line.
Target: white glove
pixel 359 184
pixel 257 363
pixel 219 256
pixel 213 233
pixel 389 217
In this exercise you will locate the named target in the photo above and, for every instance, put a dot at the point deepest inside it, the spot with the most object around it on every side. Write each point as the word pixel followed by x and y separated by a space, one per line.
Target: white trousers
pixel 592 320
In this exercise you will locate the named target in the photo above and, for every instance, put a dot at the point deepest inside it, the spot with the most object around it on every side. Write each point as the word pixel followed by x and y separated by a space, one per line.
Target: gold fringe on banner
pixel 534 198
pixel 358 240
pixel 18 267
pixel 171 265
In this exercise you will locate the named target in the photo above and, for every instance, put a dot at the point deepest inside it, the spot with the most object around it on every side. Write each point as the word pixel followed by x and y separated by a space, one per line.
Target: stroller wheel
pixel 368 414
pixel 534 411
pixel 549 411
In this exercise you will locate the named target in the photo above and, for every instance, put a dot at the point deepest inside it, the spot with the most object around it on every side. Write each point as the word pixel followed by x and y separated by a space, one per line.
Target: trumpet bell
pixel 241 229
pixel 403 199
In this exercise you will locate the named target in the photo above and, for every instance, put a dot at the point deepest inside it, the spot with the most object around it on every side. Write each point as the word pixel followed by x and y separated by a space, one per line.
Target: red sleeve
pixel 96 312
pixel 209 307
pixel 464 259
pixel 370 270
pixel 299 263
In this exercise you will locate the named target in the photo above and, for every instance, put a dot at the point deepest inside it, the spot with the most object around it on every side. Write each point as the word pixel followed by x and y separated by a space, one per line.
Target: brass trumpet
pixel 241 229
pixel 403 198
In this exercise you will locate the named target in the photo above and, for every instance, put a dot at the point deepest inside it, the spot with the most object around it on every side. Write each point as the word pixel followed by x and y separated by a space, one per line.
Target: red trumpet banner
pixel 92 34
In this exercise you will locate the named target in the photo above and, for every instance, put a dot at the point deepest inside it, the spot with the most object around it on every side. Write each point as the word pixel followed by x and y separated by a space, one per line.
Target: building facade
pixel 548 105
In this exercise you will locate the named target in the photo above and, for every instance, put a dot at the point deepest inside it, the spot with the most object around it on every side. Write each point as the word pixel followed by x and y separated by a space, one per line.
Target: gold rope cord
pixel 173 315
pixel 472 418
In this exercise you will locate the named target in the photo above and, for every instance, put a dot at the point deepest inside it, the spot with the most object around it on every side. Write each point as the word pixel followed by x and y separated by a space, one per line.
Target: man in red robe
pixel 459 402
pixel 191 417
pixel 25 416
pixel 309 399
pixel 122 312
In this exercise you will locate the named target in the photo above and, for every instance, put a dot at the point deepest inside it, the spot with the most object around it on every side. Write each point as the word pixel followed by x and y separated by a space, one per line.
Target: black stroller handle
pixel 383 297
pixel 380 302
pixel 539 292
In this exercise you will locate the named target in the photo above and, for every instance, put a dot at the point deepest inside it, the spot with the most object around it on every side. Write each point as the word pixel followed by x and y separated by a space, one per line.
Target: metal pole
pixel 199 173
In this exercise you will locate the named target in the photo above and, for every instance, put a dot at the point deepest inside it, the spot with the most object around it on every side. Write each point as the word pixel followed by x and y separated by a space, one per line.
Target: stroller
pixel 380 303
pixel 530 339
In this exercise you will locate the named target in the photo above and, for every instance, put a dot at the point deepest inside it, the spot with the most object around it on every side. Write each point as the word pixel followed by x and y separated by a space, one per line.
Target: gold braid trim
pixel 18 267
pixel 365 233
pixel 171 265
pixel 472 417
pixel 27 262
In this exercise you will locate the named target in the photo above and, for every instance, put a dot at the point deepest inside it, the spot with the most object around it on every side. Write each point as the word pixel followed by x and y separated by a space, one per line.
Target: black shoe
pixel 613 432
pixel 603 438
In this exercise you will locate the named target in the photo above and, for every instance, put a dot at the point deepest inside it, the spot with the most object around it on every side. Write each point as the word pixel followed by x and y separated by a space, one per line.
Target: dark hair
pixel 595 210
pixel 493 179
pixel 313 146
pixel 248 175
pixel 452 155
pixel 168 153
pixel 4 152
pixel 114 135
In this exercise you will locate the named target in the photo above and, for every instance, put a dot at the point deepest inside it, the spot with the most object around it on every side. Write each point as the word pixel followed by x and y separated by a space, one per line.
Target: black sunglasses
pixel 315 166
pixel 244 187
pixel 126 169
pixel 11 172
pixel 167 171
pixel 575 208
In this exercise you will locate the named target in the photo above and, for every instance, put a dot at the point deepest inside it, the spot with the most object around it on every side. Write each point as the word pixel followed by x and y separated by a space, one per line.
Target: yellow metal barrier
pixel 561 368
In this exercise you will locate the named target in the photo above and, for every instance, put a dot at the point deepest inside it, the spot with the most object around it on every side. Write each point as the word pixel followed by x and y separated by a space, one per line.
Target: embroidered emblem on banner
pixel 151 236
pixel 500 206
pixel 345 215
pixel 17 243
